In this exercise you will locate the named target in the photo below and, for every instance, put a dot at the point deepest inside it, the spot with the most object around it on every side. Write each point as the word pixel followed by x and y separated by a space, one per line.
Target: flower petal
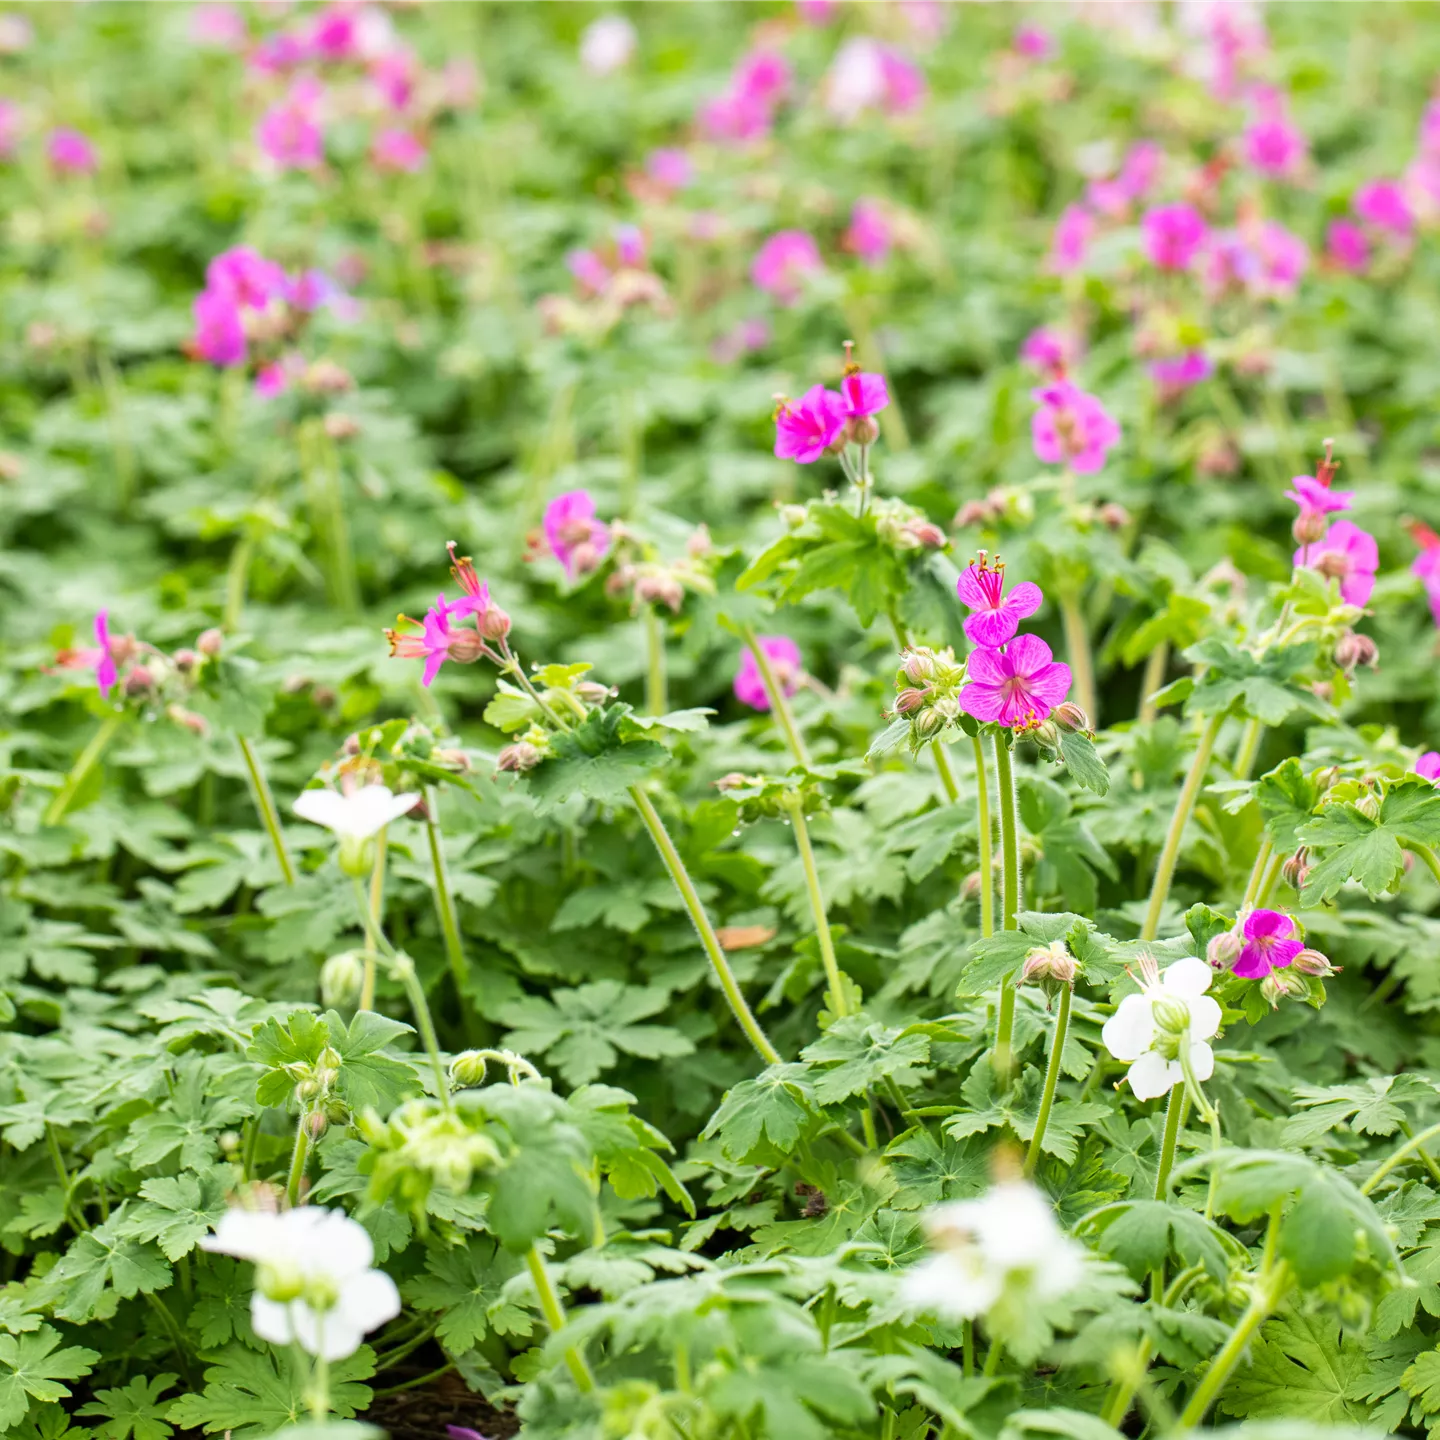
pixel 988 667
pixel 1151 1076
pixel 1204 1017
pixel 1128 1033
pixel 1202 1060
pixel 1026 654
pixel 1188 978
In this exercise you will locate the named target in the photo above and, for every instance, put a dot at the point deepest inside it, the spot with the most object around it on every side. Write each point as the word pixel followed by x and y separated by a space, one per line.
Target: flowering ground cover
pixel 889 887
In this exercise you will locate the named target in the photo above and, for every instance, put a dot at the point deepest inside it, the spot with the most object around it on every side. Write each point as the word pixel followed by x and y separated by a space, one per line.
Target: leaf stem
pixel 1052 1079
pixel 237 576
pixel 947 774
pixel 1184 806
pixel 1428 856
pixel 298 1156
pixel 1414 1143
pixel 795 808
pixel 85 762
pixel 779 701
pixel 554 1313
pixel 1257 872
pixel 1010 898
pixel 987 861
pixel 265 804
pixel 377 909
pixel 1248 749
pixel 670 858
pixel 1151 680
pixel 656 702
pixel 1173 1112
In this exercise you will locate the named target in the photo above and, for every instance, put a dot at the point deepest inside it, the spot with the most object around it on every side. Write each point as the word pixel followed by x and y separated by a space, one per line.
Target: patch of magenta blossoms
pixel 1173 236
pixel 1268 944
pixel 1345 553
pixel 807 428
pixel 443 636
pixel 576 538
pixel 783 264
pixel 785 665
pixel 1017 686
pixel 1072 428
pixel 996 616
pixel 1426 565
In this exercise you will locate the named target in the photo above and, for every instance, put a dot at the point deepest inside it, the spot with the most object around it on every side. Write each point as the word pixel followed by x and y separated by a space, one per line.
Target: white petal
pixel 368 1300
pixel 1058 1270
pixel 1204 1017
pixel 951 1287
pixel 1017 1222
pixel 322 807
pixel 246 1234
pixel 271 1320
pixel 1128 1033
pixel 1151 1076
pixel 1189 977
pixel 330 1333
pixel 1202 1059
pixel 374 807
pixel 331 1243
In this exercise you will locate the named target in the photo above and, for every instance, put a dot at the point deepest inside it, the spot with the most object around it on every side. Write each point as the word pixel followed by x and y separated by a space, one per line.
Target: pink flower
pixel 1268 945
pixel 1138 173
pixel 273 378
pixel 741 339
pixel 439 640
pixel 277 53
pixel 804 431
pixel 1427 767
pixel 1018 686
pixel 785 665
pixel 1071 428
pixel 1273 144
pixel 1383 204
pixel 762 76
pixel 1172 235
pixel 105 674
pixel 670 169
pixel 246 277
pixel 219 334
pixel 592 273
pixel 219 27
pixel 816 12
pixel 630 246
pixel 9 128
pixel 312 290
pixel 1033 43
pixel 395 149
pixel 394 75
pixel 869 236
pixel 575 537
pixel 1348 554
pixel 866 75
pixel 1279 260
pixel 863 394
pixel 1426 565
pixel 980 589
pixel 1346 246
pixel 290 135
pixel 1073 233
pixel 1315 496
pixel 783 263
pixel 1430 128
pixel 735 118
pixel 1174 374
pixel 1049 351
pixel 70 153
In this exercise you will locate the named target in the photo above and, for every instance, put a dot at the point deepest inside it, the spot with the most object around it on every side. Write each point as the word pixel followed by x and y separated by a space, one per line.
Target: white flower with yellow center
pixel 1164 1029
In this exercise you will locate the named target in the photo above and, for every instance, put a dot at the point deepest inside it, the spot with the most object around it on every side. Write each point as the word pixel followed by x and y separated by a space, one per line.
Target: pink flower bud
pixel 1224 950
pixel 210 642
pixel 908 701
pixel 1070 717
pixel 494 623
pixel 341 427
pixel 139 681
pixel 1295 869
pixel 185 660
pixel 1113 515
pixel 918 665
pixel 520 756
pixel 1309 526
pixel 1352 651
pixel 1312 962
pixel 972 512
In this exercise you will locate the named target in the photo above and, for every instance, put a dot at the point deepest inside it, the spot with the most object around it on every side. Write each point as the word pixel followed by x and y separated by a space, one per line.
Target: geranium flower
pixel 1267 944
pixel 575 537
pixel 1138 173
pixel 670 169
pixel 439 639
pixel 1272 143
pixel 1313 495
pixel 1347 246
pixel 1072 428
pixel 866 75
pixel 1032 42
pixel 105 674
pixel 219 27
pixel 863 394
pixel 784 262
pixel 395 149
pixel 1175 374
pixel 289 133
pixel 1348 554
pixel 70 152
pixel 1018 686
pixel 219 331
pixel 805 430
pixel 1427 767
pixel 1148 1030
pixel 1073 233
pixel 246 277
pixel 314 1285
pixel 354 815
pixel 785 665
pixel 1049 351
pixel 869 236
pixel 1173 235
pixel 1383 204
pixel 997 616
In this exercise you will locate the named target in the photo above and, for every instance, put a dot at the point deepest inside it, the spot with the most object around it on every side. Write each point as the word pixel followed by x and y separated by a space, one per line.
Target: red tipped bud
pixel 519 757
pixel 1312 962
pixel 1069 716
pixel 908 701
pixel 494 623
pixel 1222 952
pixel 1296 868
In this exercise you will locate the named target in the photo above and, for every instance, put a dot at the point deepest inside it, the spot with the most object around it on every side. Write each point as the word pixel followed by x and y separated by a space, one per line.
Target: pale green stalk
pixel 298 1156
pixel 1173 1114
pixel 1151 681
pixel 444 902
pixel 377 909
pixel 987 863
pixel 656 702
pixel 554 1313
pixel 265 804
pixel 779 701
pixel 85 762
pixel 1248 749
pixel 1009 898
pixel 1052 1079
pixel 1413 1144
pixel 1082 662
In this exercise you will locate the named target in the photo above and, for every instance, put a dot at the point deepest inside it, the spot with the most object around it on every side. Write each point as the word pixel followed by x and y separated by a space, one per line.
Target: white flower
pixel 856 81
pixel 314 1283
pixel 1007 1239
pixel 607 45
pixel 358 815
pixel 1148 1029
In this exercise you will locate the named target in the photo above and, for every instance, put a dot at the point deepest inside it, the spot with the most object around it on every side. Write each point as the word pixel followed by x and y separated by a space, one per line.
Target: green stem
pixel 1152 680
pixel 987 863
pixel 298 1156
pixel 1414 1143
pixel 236 582
pixel 1257 872
pixel 1010 898
pixel 1425 1157
pixel 64 797
pixel 444 904
pixel 779 701
pixel 320 1390
pixel 670 857
pixel 247 1155
pixel 265 804
pixel 376 908
pixel 554 1313
pixel 656 702
pixel 967 1342
pixel 1168 1140
pixel 1189 794
pixel 1267 881
pixel 992 1358
pixel 1077 646
pixel 1428 856
pixel 322 466
pixel 1052 1079
pixel 172 1329
pixel 1248 749
pixel 947 775
pixel 795 808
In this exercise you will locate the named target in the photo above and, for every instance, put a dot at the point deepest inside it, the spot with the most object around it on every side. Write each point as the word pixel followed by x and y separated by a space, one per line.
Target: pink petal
pixel 969 589
pixel 982 702
pixel 988 667
pixel 1050 684
pixel 991 628
pixel 1026 654
pixel 1261 924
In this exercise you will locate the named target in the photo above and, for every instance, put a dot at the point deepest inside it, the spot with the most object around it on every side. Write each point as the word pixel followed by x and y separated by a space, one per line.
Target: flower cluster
pixel 867 75
pixel 1341 551
pixel 1071 427
pixel 825 421
pixel 745 112
pixel 444 635
pixel 611 280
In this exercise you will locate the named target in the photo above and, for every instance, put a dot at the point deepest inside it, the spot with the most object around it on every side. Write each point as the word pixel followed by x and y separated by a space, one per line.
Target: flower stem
pixel 1077 646
pixel 298 1156
pixel 1257 872
pixel 554 1313
pixel 321 466
pixel 1152 680
pixel 265 804
pixel 1009 897
pixel 377 909
pixel 1428 856
pixel 1052 1079
pixel 236 582
pixel 947 775
pixel 64 797
pixel 1414 1143
pixel 779 701
pixel 670 857
pixel 1184 806
pixel 795 808
pixel 1168 1140
pixel 987 860
pixel 320 1390
pixel 655 698
pixel 1248 749
pixel 444 904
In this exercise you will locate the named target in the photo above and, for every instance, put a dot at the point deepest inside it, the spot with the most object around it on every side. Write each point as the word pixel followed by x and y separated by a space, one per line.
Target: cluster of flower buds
pixel 1003 505
pixel 316 1092
pixel 903 527
pixel 468 1068
pixel 1352 650
pixel 927 685
pixel 423 1146
pixel 1052 967
pixel 1265 945
pixel 764 797
pixel 646 578
pixel 826 422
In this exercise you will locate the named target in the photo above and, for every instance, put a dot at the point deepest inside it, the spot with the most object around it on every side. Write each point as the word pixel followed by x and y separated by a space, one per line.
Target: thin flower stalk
pixel 1248 749
pixel 1052 1079
pixel 376 907
pixel 1009 897
pixel 85 762
pixel 1184 807
pixel 1257 872
pixel 320 467
pixel 779 701
pixel 987 859
pixel 670 858
pixel 1151 681
pixel 1414 1144
pixel 444 901
pixel 299 1156
pixel 1174 1117
pixel 656 701
pixel 1082 661
pixel 554 1313
pixel 265 804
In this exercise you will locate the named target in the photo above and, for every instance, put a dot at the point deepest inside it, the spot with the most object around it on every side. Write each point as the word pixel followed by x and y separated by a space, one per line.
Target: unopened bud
pixel 926 534
pixel 1224 949
pixel 1312 962
pixel 1070 717
pixel 494 623
pixel 929 722
pixel 918 665
pixel 862 430
pixel 341 978
pixel 520 756
pixel 1295 868
pixel 325 377
pixel 341 427
pixel 185 660
pixel 1172 1016
pixel 584 558
pixel 189 720
pixel 1369 805
pixel 699 542
pixel 661 589
pixel 317 1122
pixel 324 696
pixel 468 1068
pixel 1044 734
pixel 454 759
pixel 972 512
pixel 1309 527
pixel 971 886
pixel 1279 985
pixel 1333 564
pixel 592 692
pixel 733 781
pixel 793 516
pixel 351 745
pixel 1113 516
pixel 1352 651
pixel 908 701
pixel 139 681
pixel 1049 965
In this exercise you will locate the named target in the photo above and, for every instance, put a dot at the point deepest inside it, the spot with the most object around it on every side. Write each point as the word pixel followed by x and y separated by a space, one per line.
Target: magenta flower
pixel 1173 235
pixel 312 290
pixel 395 75
pixel 246 277
pixel 219 333
pixel 816 12
pixel 395 149
pixel 630 246
pixel 1383 204
pixel 289 135
pixel 1348 554
pixel 70 153
pixel 1138 172
pixel 1071 428
pixel 997 616
pixel 742 338
pixel 1073 233
pixel 762 76
pixel 670 169
pixel 105 674
pixel 1314 496
pixel 575 537
pixel 804 431
pixel 863 394
pixel 1347 246
pixel 1018 686
pixel 440 639
pixel 9 129
pixel 278 53
pixel 1279 258
pixel 785 665
pixel 1175 374
pixel 1267 946
pixel 592 273
pixel 1426 565
pixel 784 262
pixel 735 118
pixel 1274 146
pixel 1049 351
pixel 867 75
pixel 869 236
pixel 1033 43
pixel 1427 767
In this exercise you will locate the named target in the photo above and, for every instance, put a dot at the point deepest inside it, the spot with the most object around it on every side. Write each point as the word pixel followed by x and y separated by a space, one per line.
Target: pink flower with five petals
pixel 1348 554
pixel 1427 767
pixel 575 537
pixel 998 616
pixel 785 665
pixel 1268 944
pixel 863 394
pixel 804 431
pixel 1018 686
pixel 1072 428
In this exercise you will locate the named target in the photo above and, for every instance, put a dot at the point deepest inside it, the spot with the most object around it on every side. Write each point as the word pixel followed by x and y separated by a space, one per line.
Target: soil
pixel 424 1412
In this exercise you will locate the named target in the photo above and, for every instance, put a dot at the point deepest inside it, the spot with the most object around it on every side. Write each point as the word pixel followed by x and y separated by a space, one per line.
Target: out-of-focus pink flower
pixel 608 45
pixel 816 12
pixel 1281 256
pixel 1173 235
pixel 630 246
pixel 671 169
pixel 1426 565
pixel 395 149
pixel 1138 173
pixel 1033 43
pixel 105 675
pixel 1072 428
pixel 1383 204
pixel 1268 944
pixel 1317 498
pixel 394 76
pixel 1073 232
pixel 459 83
pixel 1018 686
pixel 1346 246
pixel 289 132
pixel 219 332
pixel 783 656
pixel 275 377
pixel 735 119
pixel 246 276
pixel 997 616
pixel 1175 374
pixel 763 76
pixel 1232 34
pixel 1049 351
pixel 276 54
pixel 16 34
pixel 1427 767
pixel 1275 146
pixel 9 128
pixel 863 394
pixel 1430 129
pixel 592 273
pixel 312 290
pixel 346 31
pixel 927 19
pixel 806 428
pixel 575 537
pixel 741 339
pixel 869 235
pixel 70 152
pixel 219 27
pixel 1345 553
pixel 867 75
pixel 783 264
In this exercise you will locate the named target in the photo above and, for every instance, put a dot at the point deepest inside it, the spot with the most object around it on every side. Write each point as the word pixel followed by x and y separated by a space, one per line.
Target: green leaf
pixel 1083 761
pixel 1300 1370
pixel 369 1078
pixel 864 1054
pixel 31 1368
pixel 1349 845
pixel 179 1211
pixel 1286 796
pixel 1266 688
pixel 1144 1234
pixel 595 761
pixel 765 1114
pixel 134 1409
pixel 465 1284
pixel 299 1042
pixel 107 1257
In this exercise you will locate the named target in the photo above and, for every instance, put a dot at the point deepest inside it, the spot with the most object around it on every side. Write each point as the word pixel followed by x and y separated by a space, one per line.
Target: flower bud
pixel 918 665
pixel 494 623
pixel 592 692
pixel 1049 965
pixel 699 542
pixel 908 701
pixel 862 430
pixel 792 516
pixel 926 534
pixel 324 696
pixel 1113 516
pixel 1352 651
pixel 928 722
pixel 466 646
pixel 1309 527
pixel 971 886
pixel 1070 717
pixel 317 1122
pixel 325 377
pixel 520 756
pixel 341 427
pixel 351 745
pixel 1281 984
pixel 139 681
pixel 454 759
pixel 1224 949
pixel 1295 868
pixel 584 557
pixel 661 589
pixel 185 660
pixel 12 467
pixel 1044 734
pixel 1332 564
pixel 733 781
pixel 1369 805
pixel 189 720
pixel 341 977
pixel 1312 962
pixel 1172 1016
pixel 468 1068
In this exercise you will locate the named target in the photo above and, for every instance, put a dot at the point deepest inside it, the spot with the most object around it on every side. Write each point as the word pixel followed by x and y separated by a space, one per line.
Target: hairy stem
pixel 85 762
pixel 1167 1142
pixel 1052 1079
pixel 1257 872
pixel 795 808
pixel 298 1156
pixel 444 902
pixel 1396 1157
pixel 237 577
pixel 656 702
pixel 947 775
pixel 1082 663
pixel 265 804
pixel 554 1313
pixel 779 701
pixel 670 857
pixel 987 861
pixel 1009 896
pixel 1152 680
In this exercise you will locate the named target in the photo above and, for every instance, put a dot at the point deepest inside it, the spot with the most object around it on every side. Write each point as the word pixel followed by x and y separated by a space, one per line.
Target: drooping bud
pixel 1295 869
pixel 494 623
pixel 1312 962
pixel 908 701
pixel 1044 735
pixel 189 720
pixel 928 722
pixel 468 1069
pixel 972 512
pixel 139 681
pixel 210 642
pixel 733 781
pixel 185 660
pixel 584 557
pixel 1309 527
pixel 1070 717
pixel 699 542
pixel 862 430
pixel 455 759
pixel 1050 967
pixel 926 534
pixel 317 1122
pixel 1224 949
pixel 339 426
pixel 341 977
pixel 1113 516
pixel 660 589
pixel 1352 651
pixel 520 756
pixel 592 692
